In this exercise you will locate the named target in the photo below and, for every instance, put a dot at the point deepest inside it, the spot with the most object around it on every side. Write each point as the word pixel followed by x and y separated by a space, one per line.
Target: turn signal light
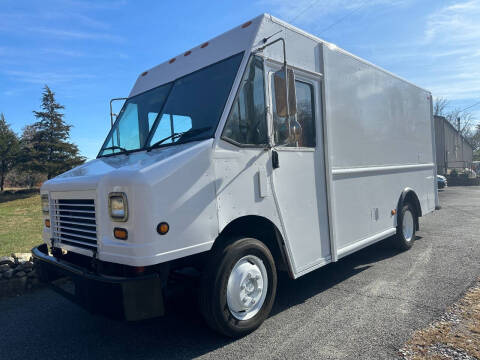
pixel 163 228
pixel 121 234
pixel 47 223
pixel 394 212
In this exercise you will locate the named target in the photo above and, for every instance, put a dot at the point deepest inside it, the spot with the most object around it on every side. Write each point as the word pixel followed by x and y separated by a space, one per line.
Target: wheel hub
pixel 408 225
pixel 247 287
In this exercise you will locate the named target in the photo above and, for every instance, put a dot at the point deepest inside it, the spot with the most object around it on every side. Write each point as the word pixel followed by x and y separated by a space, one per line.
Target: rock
pixel 31 274
pixel 7 274
pixel 20 274
pixel 7 260
pixel 4 268
pixel 22 257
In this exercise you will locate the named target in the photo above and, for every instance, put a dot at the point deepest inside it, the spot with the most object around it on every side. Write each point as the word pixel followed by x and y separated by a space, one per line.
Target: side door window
pixel 246 124
pixel 305 117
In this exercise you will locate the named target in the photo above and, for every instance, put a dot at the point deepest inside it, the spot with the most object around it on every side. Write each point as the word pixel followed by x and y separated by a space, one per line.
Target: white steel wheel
pixel 247 287
pixel 408 225
pixel 238 286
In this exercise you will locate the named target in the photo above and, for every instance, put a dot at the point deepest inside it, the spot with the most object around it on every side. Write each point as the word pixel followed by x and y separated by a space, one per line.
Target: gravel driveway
pixel 363 307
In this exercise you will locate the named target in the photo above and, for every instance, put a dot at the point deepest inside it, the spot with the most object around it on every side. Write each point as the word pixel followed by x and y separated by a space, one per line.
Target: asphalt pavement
pixel 363 307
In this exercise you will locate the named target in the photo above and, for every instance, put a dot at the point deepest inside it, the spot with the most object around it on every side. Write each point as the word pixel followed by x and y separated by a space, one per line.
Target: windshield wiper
pixel 124 151
pixel 177 135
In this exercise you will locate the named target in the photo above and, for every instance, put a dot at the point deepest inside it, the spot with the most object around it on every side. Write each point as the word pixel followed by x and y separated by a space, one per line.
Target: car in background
pixel 441 181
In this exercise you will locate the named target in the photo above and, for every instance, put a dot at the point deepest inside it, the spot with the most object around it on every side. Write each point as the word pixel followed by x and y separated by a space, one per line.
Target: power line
pixel 342 18
pixel 468 107
pixel 302 11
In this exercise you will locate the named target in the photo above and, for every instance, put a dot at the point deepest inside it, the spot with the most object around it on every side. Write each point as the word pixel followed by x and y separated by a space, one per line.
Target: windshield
pixel 186 109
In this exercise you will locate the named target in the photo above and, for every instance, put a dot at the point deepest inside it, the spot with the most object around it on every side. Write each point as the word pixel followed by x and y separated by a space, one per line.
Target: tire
pixel 406 227
pixel 235 275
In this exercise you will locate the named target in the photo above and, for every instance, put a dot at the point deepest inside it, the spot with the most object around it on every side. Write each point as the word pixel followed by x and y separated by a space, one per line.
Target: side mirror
pixel 283 90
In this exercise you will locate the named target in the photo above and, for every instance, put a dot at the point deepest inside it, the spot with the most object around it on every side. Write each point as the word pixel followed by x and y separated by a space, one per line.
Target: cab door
pixel 298 176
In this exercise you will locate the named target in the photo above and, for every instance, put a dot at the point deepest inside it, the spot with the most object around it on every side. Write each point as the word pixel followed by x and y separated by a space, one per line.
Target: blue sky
pixel 91 51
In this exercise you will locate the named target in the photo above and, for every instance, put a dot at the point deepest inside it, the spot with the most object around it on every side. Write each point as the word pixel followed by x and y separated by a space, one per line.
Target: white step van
pixel 264 149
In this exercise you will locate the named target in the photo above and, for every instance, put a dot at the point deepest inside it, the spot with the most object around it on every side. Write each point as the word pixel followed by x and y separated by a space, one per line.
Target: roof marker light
pixel 172 60
pixel 204 45
pixel 187 53
pixel 248 23
pixel 144 73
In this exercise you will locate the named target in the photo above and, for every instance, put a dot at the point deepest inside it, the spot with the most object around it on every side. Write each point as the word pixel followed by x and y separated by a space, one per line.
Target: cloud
pixel 455 24
pixel 75 34
pixel 454 31
pixel 46 77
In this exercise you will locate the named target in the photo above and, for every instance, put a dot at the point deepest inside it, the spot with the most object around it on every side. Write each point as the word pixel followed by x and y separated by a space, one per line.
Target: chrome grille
pixel 74 222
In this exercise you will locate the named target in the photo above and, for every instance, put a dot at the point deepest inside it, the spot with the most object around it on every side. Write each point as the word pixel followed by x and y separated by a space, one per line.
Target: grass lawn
pixel 21 222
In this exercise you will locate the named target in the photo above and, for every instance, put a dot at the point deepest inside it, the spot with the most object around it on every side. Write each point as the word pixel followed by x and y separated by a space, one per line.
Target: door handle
pixel 275 161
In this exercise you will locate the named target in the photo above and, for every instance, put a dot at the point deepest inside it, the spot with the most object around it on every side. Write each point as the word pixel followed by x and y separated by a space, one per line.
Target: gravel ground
pixel 365 306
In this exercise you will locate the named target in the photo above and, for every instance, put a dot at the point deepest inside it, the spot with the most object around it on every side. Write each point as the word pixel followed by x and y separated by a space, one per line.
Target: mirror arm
pixel 111 110
pixel 274 42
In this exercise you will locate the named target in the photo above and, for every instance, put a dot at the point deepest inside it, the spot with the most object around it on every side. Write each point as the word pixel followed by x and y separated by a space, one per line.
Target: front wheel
pixel 406 227
pixel 238 287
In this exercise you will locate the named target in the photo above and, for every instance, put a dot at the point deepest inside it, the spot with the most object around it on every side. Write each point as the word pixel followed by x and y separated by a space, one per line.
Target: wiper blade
pixel 177 135
pixel 114 147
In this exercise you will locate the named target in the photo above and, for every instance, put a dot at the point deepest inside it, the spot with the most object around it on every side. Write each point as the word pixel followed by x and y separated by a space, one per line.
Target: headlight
pixel 118 207
pixel 45 207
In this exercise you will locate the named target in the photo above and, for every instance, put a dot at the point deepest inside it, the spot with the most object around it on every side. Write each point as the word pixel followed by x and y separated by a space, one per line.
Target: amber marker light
pixel 47 223
pixel 121 234
pixel 204 45
pixel 163 228
pixel 248 23
pixel 394 212
pixel 187 53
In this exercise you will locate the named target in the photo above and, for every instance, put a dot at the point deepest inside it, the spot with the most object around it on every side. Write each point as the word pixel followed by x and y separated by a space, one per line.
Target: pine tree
pixel 9 148
pixel 51 152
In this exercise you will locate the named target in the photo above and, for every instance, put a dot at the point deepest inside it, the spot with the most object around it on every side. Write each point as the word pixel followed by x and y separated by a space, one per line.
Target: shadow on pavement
pixel 43 325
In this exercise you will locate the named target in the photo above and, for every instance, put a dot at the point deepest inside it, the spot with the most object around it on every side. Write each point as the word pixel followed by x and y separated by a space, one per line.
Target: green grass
pixel 21 223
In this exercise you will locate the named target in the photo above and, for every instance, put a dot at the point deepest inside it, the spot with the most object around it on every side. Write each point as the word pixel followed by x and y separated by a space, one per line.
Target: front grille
pixel 74 222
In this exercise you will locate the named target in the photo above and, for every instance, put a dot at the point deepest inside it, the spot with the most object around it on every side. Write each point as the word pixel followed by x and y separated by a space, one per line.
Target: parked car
pixel 441 181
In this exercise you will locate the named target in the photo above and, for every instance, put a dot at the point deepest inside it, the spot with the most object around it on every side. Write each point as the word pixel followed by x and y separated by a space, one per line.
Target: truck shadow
pixel 183 333
pixel 52 325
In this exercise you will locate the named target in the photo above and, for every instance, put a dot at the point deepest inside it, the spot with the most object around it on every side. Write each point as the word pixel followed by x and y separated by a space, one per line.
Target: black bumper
pixel 128 298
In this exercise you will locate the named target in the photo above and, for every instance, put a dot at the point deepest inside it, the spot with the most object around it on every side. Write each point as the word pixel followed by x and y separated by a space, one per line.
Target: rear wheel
pixel 238 287
pixel 406 227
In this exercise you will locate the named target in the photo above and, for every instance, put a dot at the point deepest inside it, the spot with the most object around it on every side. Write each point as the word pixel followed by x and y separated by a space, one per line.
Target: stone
pixel 7 274
pixel 31 274
pixel 4 268
pixel 22 257
pixel 20 274
pixel 7 260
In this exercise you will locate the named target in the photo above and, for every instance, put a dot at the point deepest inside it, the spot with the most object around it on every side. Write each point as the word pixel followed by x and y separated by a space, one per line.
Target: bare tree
pixel 463 121
pixel 440 106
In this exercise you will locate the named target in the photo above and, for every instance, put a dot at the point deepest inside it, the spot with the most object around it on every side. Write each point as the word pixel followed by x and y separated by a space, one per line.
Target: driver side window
pixel 246 123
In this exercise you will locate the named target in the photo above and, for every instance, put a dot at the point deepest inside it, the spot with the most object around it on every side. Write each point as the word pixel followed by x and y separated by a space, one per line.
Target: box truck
pixel 265 149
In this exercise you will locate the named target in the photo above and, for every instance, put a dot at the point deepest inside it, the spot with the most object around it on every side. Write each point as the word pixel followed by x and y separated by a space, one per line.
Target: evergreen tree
pixel 51 152
pixel 9 148
pixel 27 174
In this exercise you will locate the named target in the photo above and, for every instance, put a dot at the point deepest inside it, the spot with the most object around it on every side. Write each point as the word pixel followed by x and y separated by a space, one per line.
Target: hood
pixel 91 172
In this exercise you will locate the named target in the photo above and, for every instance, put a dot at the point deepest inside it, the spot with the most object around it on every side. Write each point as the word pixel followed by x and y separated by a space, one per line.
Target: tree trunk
pixel 2 180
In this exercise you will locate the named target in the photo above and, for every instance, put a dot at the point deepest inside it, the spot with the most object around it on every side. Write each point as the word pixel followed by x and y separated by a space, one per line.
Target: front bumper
pixel 128 298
